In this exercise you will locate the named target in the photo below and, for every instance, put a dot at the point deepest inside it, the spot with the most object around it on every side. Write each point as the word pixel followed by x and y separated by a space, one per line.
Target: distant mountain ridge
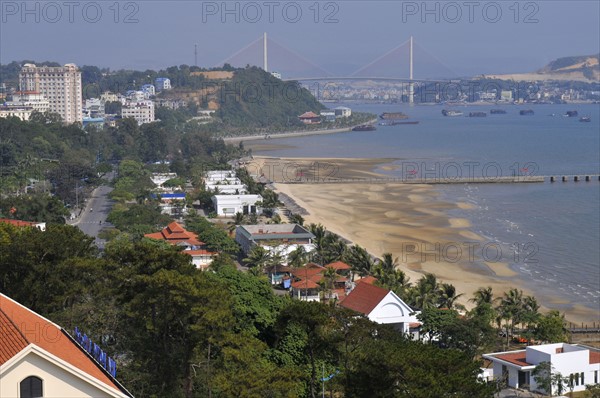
pixel 584 68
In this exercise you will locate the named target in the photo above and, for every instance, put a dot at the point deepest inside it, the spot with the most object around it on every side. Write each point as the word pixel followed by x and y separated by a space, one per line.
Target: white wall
pixel 57 382
pixel 393 310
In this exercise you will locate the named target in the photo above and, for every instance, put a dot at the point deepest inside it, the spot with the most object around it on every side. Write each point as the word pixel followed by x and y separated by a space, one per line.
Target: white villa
pixel 383 306
pixel 228 185
pixel 579 364
pixel 38 358
pixel 220 175
pixel 228 205
pixel 279 239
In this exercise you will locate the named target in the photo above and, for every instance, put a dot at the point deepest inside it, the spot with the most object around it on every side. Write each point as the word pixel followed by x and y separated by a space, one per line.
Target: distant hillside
pixel 265 100
pixel 585 68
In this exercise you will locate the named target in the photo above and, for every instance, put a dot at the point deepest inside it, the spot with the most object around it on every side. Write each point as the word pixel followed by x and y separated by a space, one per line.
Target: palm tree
pixel 425 293
pixel 483 295
pixel 258 258
pixel 334 248
pixel 448 297
pixel 388 262
pixel 320 234
pixel 511 309
pixel 297 219
pixel 297 258
pixel 329 277
pixel 360 261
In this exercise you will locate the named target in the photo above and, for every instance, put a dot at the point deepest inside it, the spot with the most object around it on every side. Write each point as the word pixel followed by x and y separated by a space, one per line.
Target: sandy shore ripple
pixel 409 221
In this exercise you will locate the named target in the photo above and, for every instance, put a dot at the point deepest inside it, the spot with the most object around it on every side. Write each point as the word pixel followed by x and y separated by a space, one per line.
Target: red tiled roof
pixel 18 223
pixel 199 252
pixel 20 327
pixel 12 341
pixel 338 265
pixel 305 284
pixel 367 279
pixel 594 357
pixel 517 358
pixel 308 115
pixel 174 234
pixel 364 298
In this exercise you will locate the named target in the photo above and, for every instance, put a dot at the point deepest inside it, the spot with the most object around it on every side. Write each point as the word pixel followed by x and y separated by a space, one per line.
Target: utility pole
pixel 195 55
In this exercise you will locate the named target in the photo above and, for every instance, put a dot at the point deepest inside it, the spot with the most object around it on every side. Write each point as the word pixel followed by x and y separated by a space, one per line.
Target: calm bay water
pixel 549 233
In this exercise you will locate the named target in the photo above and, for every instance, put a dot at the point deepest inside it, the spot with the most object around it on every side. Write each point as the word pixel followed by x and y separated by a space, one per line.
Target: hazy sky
pixel 468 37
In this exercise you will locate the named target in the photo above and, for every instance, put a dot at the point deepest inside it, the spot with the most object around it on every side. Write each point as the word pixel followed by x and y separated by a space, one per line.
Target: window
pixel 595 377
pixel 31 387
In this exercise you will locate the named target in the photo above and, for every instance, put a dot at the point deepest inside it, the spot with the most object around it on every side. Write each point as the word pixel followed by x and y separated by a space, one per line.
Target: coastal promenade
pixel 290 134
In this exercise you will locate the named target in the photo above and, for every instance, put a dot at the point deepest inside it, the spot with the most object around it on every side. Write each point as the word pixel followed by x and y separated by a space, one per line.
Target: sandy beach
pixel 409 221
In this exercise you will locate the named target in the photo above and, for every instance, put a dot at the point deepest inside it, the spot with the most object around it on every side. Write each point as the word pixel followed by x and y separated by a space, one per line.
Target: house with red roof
pixel 175 234
pixel 309 284
pixel 19 223
pixel 579 364
pixel 382 306
pixel 310 118
pixel 40 359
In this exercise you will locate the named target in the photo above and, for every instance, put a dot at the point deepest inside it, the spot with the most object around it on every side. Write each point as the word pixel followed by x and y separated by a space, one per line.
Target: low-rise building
pixel 33 99
pixel 229 205
pixel 220 175
pixel 38 358
pixel 580 365
pixel 328 115
pixel 19 223
pixel 149 89
pixel 162 83
pixel 342 111
pixel 22 112
pixel 175 234
pixel 141 111
pixel 280 239
pixel 310 118
pixel 383 306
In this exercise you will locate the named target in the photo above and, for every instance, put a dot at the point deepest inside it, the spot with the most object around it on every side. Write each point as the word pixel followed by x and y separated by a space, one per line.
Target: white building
pixel 61 86
pixel 160 178
pixel 39 359
pixel 22 112
pixel 279 239
pixel 342 111
pixel 579 364
pixel 228 205
pixel 32 99
pixel 382 306
pixel 141 111
pixel 149 89
pixel 162 83
pixel 107 96
pixel 220 175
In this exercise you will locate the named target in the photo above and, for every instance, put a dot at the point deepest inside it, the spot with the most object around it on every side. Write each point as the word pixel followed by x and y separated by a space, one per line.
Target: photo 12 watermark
pixel 53 12
pixel 253 12
pixel 469 252
pixel 470 11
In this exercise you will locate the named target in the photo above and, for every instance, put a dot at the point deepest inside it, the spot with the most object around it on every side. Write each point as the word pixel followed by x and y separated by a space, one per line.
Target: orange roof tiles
pixel 22 327
pixel 338 265
pixel 12 341
pixel 305 284
pixel 367 279
pixel 517 358
pixel 18 223
pixel 174 234
pixel 594 357
pixel 364 298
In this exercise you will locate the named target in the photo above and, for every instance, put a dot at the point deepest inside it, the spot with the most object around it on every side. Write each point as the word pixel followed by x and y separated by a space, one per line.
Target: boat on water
pixel 586 119
pixel 571 114
pixel 497 112
pixel 397 122
pixel 526 112
pixel 393 116
pixel 477 114
pixel 364 127
pixel 451 113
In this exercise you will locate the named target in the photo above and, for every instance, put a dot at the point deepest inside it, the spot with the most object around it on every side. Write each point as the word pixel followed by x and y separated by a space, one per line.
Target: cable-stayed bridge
pixel 396 65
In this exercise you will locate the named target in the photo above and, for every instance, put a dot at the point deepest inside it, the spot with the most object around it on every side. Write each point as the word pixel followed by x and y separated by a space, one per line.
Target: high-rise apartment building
pixel 61 86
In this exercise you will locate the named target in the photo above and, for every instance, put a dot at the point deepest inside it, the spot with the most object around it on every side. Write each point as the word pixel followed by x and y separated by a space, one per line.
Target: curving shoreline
pixel 300 133
pixel 386 217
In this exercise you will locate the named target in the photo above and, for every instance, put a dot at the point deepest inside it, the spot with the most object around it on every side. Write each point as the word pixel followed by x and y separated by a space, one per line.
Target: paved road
pixel 93 217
